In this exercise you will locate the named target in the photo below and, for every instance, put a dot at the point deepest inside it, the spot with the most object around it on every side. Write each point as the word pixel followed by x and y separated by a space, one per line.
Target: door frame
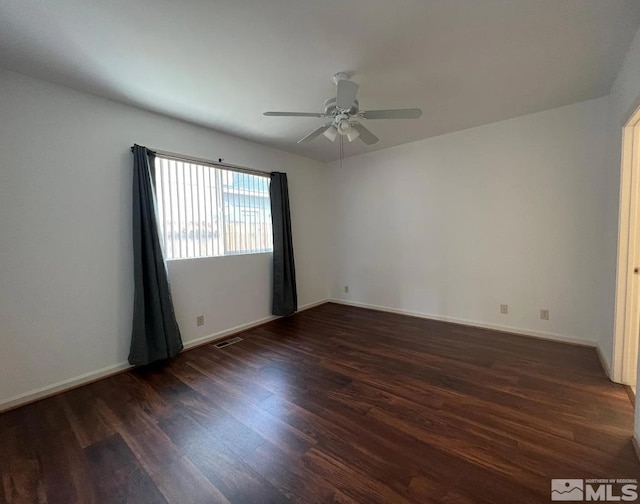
pixel 627 307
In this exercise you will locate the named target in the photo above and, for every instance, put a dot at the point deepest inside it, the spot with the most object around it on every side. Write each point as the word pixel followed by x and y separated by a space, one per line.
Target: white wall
pixel 453 226
pixel 522 212
pixel 625 99
pixel 65 233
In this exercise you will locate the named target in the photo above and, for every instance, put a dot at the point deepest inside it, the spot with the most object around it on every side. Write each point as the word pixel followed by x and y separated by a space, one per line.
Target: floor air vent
pixel 228 342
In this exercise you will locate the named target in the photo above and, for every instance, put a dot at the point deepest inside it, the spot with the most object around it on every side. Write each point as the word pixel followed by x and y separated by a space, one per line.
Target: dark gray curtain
pixel 155 334
pixel 285 296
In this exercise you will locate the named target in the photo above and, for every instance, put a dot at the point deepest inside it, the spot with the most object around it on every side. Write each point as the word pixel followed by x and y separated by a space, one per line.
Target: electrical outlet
pixel 504 309
pixel 544 314
pixel 200 320
pixel 346 289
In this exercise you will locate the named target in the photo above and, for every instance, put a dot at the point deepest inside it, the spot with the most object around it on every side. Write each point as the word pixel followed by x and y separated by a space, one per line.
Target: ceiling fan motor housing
pixel 331 110
pixel 340 76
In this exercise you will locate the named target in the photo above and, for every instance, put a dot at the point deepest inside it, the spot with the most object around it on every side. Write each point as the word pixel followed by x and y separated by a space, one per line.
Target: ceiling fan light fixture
pixel 331 133
pixel 352 134
pixel 344 127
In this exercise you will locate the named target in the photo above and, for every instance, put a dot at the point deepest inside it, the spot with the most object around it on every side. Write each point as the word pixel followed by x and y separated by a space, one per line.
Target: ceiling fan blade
pixel 365 135
pixel 315 133
pixel 410 113
pixel 347 91
pixel 295 114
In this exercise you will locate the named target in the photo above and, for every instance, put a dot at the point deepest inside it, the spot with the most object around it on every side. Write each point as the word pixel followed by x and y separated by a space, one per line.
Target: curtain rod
pixel 206 162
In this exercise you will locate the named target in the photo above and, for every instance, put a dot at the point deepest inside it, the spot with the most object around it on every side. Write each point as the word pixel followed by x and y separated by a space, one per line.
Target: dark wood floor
pixel 335 404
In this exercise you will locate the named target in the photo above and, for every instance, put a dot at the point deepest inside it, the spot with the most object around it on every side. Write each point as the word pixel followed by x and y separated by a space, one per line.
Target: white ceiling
pixel 222 63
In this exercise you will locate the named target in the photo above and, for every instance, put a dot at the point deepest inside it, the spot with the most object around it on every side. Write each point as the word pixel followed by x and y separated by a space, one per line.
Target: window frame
pixel 188 189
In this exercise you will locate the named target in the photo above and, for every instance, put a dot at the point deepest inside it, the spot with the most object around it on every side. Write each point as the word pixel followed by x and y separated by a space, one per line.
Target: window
pixel 205 211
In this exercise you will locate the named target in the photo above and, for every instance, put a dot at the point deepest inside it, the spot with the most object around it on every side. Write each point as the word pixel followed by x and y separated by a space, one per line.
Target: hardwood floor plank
pixel 148 443
pixel 63 464
pixel 354 484
pixel 80 407
pixel 335 440
pixel 336 404
pixel 225 469
pixel 292 478
pixel 181 482
pixel 249 425
pixel 117 476
pixel 20 467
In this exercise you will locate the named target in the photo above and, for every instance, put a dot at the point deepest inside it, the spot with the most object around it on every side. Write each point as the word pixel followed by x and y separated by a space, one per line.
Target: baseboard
pixel 632 395
pixel 242 327
pixel 494 327
pixel 92 376
pixel 636 446
pixel 603 362
pixel 210 338
pixel 61 386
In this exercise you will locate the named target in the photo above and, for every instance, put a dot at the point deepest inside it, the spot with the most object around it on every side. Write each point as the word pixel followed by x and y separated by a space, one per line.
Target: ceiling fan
pixel 345 114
